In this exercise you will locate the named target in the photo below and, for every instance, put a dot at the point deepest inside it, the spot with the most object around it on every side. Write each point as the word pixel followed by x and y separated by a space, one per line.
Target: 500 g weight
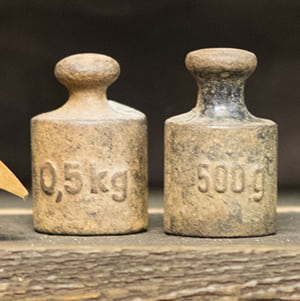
pixel 220 160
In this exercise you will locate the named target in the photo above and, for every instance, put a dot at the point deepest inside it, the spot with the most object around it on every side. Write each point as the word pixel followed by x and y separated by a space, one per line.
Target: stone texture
pixel 89 156
pixel 220 161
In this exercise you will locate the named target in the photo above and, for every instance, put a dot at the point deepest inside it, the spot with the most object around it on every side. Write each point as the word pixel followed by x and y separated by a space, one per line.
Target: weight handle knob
pixel 87 71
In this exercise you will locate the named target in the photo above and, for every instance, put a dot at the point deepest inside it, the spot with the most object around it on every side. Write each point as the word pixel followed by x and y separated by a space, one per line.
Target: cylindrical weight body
pixel 220 161
pixel 220 182
pixel 89 165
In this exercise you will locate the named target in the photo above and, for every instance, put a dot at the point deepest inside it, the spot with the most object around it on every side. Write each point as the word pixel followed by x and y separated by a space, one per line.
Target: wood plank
pixel 148 266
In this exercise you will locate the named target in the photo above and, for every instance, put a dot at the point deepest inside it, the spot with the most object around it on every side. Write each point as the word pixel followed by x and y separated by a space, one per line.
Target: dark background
pixel 150 40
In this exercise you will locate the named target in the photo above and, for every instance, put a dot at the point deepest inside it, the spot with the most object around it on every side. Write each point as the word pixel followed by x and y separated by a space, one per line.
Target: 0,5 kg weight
pixel 89 157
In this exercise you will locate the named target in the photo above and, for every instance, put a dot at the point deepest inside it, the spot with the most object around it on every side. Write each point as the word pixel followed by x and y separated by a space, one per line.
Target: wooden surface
pixel 149 265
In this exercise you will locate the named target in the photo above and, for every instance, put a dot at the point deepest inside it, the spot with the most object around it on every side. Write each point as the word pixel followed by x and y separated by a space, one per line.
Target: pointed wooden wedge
pixel 10 183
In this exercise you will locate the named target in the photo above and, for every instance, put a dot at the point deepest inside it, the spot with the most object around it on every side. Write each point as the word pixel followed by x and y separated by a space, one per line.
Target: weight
pixel 89 156
pixel 220 161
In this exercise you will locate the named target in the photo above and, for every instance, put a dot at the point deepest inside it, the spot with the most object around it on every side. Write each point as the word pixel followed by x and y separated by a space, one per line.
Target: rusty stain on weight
pixel 220 160
pixel 89 157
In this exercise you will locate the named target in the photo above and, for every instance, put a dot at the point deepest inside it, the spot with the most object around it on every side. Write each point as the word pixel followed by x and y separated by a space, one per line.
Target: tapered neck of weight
pixel 88 101
pixel 222 99
pixel 89 95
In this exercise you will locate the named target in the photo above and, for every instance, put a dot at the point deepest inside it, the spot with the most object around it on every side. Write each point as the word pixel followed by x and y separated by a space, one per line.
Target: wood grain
pixel 149 274
pixel 148 266
pixel 10 183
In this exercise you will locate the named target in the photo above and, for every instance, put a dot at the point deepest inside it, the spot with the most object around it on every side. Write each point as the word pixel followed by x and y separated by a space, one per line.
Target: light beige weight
pixel 220 161
pixel 89 157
